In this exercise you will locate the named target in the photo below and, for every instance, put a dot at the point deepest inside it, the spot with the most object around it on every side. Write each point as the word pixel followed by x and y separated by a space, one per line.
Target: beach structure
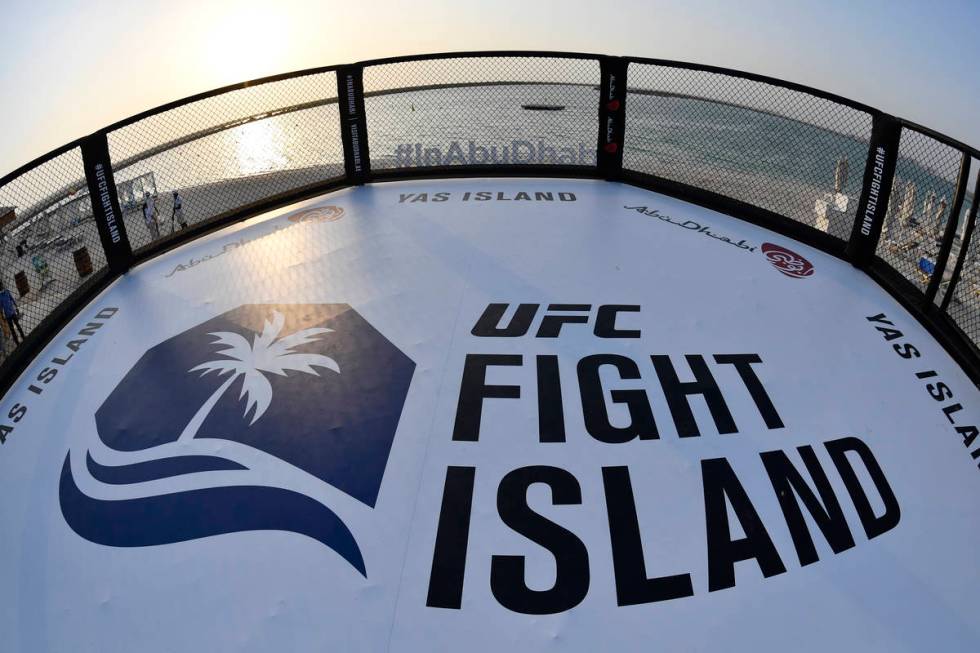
pixel 841 170
pixel 908 203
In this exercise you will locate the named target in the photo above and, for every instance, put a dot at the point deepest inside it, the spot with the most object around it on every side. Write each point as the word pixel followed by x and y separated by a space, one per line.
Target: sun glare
pixel 250 42
pixel 259 147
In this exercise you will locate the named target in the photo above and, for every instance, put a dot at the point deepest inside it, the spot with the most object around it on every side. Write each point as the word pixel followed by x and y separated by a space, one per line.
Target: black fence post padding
pixel 879 173
pixel 951 223
pixel 353 124
pixel 612 116
pixel 971 220
pixel 105 202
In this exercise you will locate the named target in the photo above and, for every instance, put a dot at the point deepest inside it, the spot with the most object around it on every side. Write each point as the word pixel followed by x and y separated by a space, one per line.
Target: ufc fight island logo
pixel 230 414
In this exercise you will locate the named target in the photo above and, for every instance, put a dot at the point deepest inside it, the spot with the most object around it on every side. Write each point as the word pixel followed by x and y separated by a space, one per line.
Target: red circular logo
pixel 789 263
pixel 319 214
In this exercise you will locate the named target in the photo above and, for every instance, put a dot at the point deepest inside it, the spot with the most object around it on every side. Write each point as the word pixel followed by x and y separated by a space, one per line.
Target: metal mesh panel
pixel 49 244
pixel 797 155
pixel 919 205
pixel 225 152
pixel 964 304
pixel 957 246
pixel 482 110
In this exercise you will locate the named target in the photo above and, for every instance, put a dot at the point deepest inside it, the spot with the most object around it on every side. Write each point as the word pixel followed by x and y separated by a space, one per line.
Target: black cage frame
pixel 613 113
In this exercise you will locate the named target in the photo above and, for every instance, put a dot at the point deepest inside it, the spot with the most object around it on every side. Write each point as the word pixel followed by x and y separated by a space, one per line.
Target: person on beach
pixel 8 306
pixel 178 213
pixel 150 216
pixel 840 174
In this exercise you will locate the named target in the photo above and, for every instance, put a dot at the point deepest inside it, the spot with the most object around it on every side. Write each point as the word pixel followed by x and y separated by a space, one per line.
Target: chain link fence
pixel 49 243
pixel 482 111
pixel 966 298
pixel 919 206
pixel 790 152
pixel 957 245
pixel 782 150
pixel 196 161
pixel 963 302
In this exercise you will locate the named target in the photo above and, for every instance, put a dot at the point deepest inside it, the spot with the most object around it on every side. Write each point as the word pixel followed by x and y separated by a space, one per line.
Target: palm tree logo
pixel 267 354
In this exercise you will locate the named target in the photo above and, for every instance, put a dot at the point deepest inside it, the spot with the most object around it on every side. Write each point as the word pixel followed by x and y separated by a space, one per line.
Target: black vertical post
pixel 951 223
pixel 105 202
pixel 612 117
pixel 971 220
pixel 879 173
pixel 353 124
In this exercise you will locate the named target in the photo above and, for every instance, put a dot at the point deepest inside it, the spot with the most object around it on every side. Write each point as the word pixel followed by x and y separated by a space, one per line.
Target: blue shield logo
pixel 314 386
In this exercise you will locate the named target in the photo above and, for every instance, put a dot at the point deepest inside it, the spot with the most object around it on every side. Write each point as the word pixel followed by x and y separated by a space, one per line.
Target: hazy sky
pixel 71 67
